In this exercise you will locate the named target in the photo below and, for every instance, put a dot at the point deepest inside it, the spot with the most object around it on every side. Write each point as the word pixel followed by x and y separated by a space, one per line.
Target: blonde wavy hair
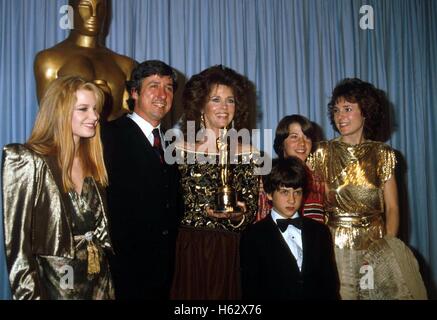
pixel 52 132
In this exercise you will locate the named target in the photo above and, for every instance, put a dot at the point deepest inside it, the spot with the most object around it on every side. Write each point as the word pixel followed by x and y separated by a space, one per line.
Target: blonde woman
pixel 56 230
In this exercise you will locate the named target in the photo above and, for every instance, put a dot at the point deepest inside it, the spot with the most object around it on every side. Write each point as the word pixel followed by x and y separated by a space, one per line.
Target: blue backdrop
pixel 295 51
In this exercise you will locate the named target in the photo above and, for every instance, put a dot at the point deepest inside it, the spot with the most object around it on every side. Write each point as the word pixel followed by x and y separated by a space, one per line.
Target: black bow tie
pixel 283 223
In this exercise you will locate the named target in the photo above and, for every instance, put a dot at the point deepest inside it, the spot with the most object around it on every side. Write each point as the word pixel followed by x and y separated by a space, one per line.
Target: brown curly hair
pixel 198 88
pixel 372 102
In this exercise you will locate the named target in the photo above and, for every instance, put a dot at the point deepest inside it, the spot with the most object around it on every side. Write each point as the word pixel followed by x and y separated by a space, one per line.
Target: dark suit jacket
pixel 270 271
pixel 144 206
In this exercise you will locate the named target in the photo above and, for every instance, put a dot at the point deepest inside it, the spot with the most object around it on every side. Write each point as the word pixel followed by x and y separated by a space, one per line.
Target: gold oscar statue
pixel 83 54
pixel 226 197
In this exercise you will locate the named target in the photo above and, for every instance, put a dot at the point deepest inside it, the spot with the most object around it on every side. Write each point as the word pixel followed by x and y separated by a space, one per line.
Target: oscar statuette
pixel 226 196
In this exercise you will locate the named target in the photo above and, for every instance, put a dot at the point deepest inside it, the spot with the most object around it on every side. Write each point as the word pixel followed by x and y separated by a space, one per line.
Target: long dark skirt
pixel 207 265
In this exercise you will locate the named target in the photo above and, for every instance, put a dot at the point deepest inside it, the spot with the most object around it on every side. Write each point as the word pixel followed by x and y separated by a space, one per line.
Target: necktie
pixel 157 145
pixel 284 223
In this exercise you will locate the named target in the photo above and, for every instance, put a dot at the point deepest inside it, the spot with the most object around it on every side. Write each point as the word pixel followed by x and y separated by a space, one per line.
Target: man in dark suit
pixel 286 256
pixel 144 199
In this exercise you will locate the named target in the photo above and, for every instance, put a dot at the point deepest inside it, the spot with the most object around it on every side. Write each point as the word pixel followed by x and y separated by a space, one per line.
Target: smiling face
pixel 349 120
pixel 84 117
pixel 297 144
pixel 286 201
pixel 220 108
pixel 155 98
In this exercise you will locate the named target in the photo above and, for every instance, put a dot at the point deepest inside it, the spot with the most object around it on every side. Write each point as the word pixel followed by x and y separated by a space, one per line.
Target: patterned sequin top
pixel 200 180
pixel 354 200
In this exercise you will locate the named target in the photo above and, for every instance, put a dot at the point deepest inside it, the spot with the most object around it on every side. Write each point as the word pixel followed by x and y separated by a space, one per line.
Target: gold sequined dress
pixel 81 282
pixel 56 242
pixel 207 250
pixel 354 202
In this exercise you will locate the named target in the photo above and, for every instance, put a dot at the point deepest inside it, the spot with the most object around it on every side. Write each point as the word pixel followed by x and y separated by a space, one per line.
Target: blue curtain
pixel 295 51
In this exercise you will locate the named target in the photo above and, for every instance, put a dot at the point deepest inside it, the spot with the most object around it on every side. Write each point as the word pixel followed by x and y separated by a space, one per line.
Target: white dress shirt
pixel 293 238
pixel 146 127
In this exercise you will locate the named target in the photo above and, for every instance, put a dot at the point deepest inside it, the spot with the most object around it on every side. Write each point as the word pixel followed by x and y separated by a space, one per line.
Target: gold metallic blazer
pixel 37 217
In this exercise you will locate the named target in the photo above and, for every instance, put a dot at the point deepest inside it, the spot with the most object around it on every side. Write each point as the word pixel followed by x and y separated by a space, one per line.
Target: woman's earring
pixel 202 122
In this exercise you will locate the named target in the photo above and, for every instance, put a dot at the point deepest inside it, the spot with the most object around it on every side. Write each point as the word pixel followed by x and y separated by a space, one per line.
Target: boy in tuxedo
pixel 287 256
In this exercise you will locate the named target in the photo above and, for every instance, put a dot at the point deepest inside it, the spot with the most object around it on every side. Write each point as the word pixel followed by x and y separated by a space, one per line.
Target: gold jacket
pixel 37 217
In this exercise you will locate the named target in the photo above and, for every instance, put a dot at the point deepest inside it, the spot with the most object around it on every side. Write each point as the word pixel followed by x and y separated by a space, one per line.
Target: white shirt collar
pixel 145 126
pixel 293 238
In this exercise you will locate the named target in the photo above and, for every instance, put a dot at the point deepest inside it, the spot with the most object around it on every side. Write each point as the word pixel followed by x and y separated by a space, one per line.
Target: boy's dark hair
pixel 144 70
pixel 286 172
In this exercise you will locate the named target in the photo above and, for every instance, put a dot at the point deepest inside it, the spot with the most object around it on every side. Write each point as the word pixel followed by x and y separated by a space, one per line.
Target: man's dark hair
pixel 288 172
pixel 144 70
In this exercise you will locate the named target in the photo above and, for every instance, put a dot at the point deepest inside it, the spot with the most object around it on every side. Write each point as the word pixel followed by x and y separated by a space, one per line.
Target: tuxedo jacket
pixel 37 217
pixel 270 272
pixel 144 206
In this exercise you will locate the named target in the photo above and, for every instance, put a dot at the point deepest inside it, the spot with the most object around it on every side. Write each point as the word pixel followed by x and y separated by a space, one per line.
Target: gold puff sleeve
pixel 316 161
pixel 19 187
pixel 387 162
